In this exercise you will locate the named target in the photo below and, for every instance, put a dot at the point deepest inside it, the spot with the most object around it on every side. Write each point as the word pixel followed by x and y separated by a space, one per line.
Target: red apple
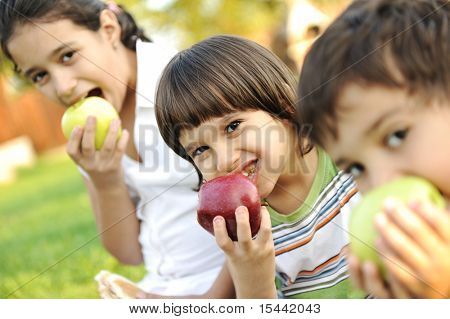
pixel 221 196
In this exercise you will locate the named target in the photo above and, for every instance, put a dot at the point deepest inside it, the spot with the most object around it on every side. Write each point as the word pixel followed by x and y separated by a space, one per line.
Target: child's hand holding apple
pixel 230 209
pixel 401 249
pixel 95 139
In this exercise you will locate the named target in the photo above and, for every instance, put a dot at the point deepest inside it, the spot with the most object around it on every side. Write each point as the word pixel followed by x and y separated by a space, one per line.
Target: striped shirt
pixel 309 241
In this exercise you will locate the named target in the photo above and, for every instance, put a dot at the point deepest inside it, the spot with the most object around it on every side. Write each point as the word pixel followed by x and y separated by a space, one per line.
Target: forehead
pixel 358 109
pixel 32 42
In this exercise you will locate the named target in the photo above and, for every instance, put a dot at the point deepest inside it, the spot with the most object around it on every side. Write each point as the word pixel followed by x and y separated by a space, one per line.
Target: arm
pixel 250 264
pixel 113 208
pixel 222 288
pixel 116 220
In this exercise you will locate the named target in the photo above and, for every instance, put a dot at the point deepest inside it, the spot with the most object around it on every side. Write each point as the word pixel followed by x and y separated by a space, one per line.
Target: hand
pixel 366 276
pixel 251 262
pixel 102 164
pixel 113 286
pixel 415 245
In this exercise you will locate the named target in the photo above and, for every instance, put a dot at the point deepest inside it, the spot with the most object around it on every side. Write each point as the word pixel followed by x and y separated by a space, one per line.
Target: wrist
pixel 260 291
pixel 107 180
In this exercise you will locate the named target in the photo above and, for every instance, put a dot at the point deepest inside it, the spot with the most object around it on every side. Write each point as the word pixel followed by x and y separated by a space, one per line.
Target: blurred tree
pixel 195 20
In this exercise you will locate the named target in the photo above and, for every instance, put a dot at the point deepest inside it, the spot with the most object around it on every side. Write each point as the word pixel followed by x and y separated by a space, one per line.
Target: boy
pixel 380 106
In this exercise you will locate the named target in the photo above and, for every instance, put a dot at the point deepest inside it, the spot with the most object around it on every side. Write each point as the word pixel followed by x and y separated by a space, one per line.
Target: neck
pixel 130 97
pixel 295 182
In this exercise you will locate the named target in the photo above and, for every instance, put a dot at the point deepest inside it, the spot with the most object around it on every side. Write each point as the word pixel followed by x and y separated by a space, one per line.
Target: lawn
pixel 48 240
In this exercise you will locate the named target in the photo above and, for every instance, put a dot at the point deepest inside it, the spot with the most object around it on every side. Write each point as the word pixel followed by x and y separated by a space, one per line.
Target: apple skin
pixel 362 228
pixel 221 196
pixel 77 114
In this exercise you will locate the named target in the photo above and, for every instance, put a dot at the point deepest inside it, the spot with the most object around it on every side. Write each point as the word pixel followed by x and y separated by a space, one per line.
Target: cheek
pixel 48 91
pixel 207 168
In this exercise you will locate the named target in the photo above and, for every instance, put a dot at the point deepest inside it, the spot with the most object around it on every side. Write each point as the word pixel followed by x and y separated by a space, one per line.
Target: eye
pixel 230 128
pixel 38 77
pixel 66 57
pixel 355 170
pixel 199 151
pixel 396 139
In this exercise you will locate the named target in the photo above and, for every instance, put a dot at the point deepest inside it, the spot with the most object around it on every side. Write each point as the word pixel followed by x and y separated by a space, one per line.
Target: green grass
pixel 48 239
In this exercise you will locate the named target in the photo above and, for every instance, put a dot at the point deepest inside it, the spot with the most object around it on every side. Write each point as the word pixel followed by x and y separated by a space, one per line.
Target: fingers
pixel 88 140
pixel 109 145
pixel 265 229
pixel 105 291
pixel 244 232
pixel 398 290
pixel 408 224
pixel 400 244
pixel 121 145
pixel 437 219
pixel 220 233
pixel 73 145
pixel 355 271
pixel 373 282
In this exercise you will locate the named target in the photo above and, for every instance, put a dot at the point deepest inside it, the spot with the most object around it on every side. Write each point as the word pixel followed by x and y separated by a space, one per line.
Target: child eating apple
pixel 376 89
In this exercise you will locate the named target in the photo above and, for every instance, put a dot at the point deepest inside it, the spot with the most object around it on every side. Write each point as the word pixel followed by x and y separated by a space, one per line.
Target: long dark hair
pixel 85 13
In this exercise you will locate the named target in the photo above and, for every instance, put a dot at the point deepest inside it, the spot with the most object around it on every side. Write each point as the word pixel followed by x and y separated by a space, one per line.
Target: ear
pixel 110 27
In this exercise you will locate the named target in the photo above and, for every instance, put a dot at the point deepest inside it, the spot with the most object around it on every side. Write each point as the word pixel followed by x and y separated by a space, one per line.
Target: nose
pixel 227 158
pixel 65 87
pixel 383 173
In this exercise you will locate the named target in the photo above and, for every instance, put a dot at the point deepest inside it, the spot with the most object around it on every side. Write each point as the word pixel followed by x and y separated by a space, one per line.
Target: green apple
pixel 77 114
pixel 362 229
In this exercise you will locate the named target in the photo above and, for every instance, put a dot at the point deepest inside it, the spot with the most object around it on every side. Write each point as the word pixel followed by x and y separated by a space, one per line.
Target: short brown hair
pixel 218 76
pixel 394 43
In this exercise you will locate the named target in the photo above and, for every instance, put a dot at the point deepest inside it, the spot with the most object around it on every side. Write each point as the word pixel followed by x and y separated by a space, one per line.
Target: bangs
pixel 217 77
pixel 193 99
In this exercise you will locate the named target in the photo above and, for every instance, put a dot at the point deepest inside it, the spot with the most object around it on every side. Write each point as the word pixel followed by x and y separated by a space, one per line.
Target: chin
pixel 265 190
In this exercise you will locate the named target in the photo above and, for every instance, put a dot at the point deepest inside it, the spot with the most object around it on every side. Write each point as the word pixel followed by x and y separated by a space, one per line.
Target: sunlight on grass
pixel 44 216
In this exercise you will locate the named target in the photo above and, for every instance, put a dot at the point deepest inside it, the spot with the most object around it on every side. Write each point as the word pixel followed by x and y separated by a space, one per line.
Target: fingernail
pixel 389 204
pixel 76 131
pixel 414 204
pixel 380 220
pixel 91 120
pixel 217 219
pixel 240 211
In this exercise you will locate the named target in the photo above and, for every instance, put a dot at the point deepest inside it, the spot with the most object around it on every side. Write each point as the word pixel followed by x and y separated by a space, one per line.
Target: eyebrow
pixel 340 162
pixel 227 118
pixel 375 125
pixel 50 56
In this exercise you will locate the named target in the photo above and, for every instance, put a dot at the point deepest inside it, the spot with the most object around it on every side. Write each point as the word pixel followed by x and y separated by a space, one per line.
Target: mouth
pixel 95 92
pixel 250 170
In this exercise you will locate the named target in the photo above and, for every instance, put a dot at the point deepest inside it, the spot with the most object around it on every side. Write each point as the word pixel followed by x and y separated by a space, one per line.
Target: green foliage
pixel 198 19
pixel 48 240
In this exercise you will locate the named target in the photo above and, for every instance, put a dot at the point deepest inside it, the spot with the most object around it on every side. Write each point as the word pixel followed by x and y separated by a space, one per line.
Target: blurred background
pixel 48 239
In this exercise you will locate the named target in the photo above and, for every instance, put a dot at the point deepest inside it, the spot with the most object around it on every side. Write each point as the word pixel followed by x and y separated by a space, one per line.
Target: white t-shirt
pixel 180 257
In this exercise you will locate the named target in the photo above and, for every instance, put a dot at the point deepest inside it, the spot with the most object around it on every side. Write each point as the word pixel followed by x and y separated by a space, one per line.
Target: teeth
pixel 249 171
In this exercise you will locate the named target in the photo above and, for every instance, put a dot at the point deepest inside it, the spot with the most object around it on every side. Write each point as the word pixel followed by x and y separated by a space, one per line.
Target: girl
pixel 227 105
pixel 141 193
